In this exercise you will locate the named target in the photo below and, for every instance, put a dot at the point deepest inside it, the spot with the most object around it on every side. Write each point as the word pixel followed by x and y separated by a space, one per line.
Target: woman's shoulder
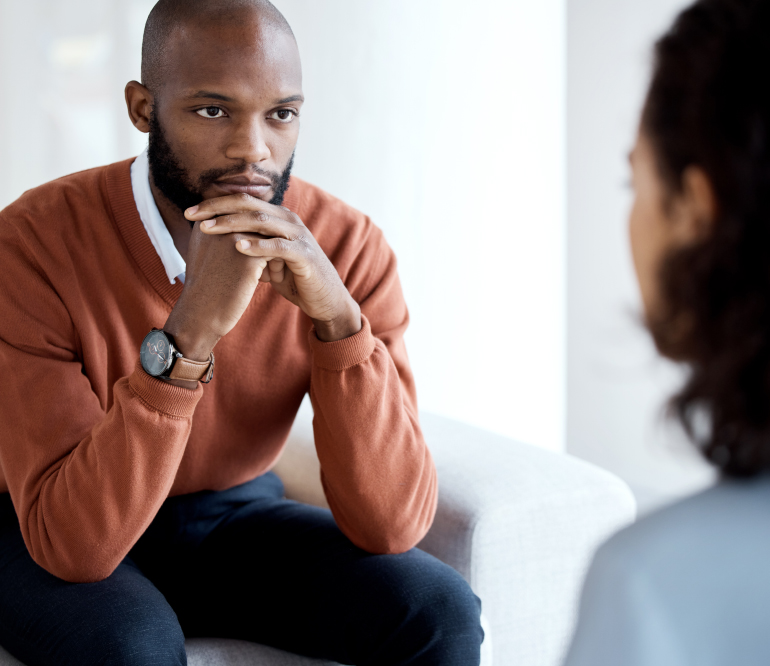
pixel 701 527
pixel 688 584
pixel 700 548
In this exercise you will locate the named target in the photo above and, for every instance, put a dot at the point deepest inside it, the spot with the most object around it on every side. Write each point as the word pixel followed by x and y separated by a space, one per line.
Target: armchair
pixel 518 522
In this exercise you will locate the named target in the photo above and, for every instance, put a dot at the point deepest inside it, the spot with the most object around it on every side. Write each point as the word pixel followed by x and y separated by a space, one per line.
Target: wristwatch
pixel 160 358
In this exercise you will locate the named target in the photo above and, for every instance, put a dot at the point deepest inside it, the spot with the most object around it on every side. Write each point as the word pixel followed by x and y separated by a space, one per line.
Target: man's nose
pixel 248 143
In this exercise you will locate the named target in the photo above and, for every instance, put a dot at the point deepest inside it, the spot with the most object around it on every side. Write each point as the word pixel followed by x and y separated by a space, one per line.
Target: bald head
pixel 169 16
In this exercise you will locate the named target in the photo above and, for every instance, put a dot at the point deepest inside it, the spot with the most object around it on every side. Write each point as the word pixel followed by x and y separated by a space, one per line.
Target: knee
pixel 137 639
pixel 447 609
pixel 437 612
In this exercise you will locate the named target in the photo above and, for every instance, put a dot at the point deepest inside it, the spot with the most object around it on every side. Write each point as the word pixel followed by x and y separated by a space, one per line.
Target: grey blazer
pixel 686 586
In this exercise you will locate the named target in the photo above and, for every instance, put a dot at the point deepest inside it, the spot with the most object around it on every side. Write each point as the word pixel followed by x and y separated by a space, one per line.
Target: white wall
pixel 442 119
pixel 63 66
pixel 616 383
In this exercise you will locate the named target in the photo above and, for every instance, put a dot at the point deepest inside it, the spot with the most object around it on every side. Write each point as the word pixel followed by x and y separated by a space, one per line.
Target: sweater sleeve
pixel 85 480
pixel 377 473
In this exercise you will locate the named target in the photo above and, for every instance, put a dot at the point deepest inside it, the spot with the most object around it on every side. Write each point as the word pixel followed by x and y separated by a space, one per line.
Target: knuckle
pixel 308 249
pixel 243 197
pixel 283 245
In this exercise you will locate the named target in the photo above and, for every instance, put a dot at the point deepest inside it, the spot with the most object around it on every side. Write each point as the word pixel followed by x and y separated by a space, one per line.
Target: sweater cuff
pixel 163 397
pixel 343 354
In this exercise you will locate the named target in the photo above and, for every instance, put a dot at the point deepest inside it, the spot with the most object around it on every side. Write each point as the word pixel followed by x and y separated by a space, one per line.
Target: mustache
pixel 212 175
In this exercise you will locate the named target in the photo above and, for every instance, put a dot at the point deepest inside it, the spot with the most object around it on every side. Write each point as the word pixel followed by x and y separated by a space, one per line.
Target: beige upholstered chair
pixel 518 522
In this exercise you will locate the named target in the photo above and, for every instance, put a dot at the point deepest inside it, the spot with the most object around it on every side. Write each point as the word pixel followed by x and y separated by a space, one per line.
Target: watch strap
pixel 193 371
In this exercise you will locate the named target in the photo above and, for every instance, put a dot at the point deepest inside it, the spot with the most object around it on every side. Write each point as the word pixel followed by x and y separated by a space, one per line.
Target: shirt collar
pixel 153 222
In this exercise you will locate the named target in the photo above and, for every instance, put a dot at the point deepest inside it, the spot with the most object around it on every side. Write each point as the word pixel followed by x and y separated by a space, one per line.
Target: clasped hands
pixel 238 241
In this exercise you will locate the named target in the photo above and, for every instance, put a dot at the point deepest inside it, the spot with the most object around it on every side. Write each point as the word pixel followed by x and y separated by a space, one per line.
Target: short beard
pixel 172 179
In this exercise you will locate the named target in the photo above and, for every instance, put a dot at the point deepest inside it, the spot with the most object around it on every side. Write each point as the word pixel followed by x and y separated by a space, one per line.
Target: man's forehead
pixel 228 56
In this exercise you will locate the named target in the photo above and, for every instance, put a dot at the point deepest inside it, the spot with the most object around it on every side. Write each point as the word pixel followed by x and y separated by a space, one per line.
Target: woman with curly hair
pixel 690 585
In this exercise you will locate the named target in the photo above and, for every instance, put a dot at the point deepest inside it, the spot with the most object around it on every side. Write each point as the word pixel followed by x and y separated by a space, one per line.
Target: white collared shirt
pixel 153 222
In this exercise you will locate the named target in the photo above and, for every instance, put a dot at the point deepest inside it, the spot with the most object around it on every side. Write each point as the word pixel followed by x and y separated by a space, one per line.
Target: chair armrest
pixel 521 524
pixel 518 522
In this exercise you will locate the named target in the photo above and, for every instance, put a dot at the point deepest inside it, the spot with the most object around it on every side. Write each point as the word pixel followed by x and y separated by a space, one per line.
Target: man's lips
pixel 255 186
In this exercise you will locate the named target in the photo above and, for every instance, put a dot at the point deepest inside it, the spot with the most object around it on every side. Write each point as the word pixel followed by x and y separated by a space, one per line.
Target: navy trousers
pixel 242 563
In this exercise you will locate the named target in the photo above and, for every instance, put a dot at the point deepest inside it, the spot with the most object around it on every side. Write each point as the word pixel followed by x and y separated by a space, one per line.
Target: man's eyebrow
pixel 293 98
pixel 207 94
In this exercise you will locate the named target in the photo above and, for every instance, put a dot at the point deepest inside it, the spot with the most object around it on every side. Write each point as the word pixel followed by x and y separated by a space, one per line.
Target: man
pixel 140 508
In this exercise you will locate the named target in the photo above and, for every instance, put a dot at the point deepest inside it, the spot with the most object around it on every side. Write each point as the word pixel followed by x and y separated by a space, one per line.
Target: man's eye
pixel 211 112
pixel 283 115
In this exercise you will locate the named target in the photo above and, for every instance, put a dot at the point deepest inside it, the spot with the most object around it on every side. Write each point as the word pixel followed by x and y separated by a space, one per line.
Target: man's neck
pixel 176 223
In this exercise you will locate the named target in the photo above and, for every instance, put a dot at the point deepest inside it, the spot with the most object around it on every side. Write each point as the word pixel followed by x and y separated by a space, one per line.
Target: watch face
pixel 155 353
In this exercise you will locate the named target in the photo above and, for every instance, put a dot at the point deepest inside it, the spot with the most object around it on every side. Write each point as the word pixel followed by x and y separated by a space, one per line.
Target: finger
pixel 276 269
pixel 274 248
pixel 258 222
pixel 230 204
pixel 262 268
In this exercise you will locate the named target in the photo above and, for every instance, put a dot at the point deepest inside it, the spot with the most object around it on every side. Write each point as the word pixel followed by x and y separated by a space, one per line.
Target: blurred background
pixel 488 140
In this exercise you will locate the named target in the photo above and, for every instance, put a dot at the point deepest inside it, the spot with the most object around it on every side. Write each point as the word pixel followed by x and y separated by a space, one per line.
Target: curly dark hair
pixel 709 105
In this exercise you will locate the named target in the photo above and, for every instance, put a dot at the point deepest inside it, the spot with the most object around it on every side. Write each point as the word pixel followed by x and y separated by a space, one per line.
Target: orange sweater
pixel 91 446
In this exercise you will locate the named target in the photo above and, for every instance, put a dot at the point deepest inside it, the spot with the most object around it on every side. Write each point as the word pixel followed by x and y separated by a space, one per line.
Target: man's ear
pixel 698 206
pixel 139 102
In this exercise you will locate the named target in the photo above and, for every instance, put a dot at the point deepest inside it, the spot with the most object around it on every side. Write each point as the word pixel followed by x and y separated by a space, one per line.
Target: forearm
pixel 377 471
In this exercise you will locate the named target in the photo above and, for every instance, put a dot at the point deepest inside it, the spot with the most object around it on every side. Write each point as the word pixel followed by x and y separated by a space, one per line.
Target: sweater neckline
pixel 126 216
